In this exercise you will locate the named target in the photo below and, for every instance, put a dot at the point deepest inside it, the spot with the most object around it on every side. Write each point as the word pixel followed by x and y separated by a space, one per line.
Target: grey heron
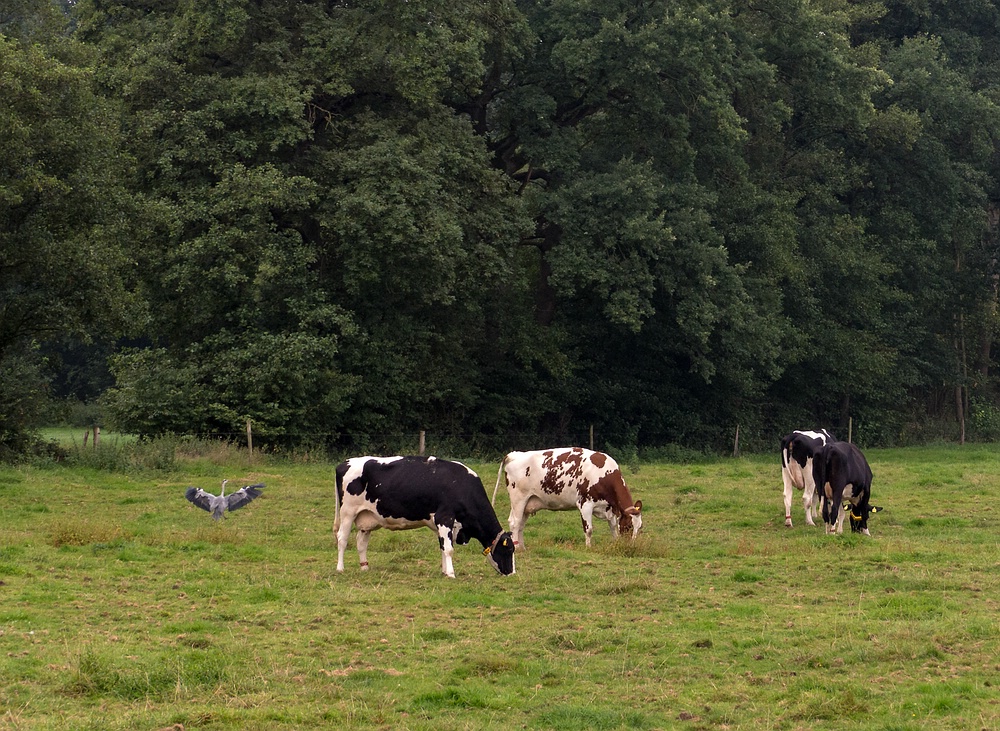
pixel 217 505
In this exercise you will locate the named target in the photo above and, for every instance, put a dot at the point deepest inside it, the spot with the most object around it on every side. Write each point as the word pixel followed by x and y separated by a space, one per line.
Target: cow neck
pixel 482 533
pixel 493 546
pixel 622 498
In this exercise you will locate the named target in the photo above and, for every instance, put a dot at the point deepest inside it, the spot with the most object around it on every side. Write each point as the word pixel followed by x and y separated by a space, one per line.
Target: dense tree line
pixel 509 219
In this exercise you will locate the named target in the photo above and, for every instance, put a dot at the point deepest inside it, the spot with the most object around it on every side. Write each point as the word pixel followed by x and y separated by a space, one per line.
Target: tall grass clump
pixel 77 531
pixel 112 455
pixel 106 673
pixel 102 674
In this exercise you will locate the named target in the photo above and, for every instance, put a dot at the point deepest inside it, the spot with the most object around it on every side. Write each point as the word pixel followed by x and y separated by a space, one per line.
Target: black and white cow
pixel 400 493
pixel 844 479
pixel 798 450
pixel 567 478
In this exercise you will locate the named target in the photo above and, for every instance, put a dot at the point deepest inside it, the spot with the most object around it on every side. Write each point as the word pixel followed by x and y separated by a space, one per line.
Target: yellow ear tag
pixel 486 551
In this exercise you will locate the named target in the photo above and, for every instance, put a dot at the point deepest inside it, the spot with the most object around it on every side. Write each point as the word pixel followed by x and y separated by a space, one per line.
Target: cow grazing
pixel 567 478
pixel 856 517
pixel 798 451
pixel 400 493
pixel 845 479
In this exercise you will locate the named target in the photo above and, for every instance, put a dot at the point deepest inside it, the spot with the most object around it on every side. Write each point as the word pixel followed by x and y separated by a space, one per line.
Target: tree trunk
pixel 960 409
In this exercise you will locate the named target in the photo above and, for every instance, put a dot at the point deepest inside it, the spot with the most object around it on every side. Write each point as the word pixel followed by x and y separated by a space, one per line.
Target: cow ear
pixel 638 506
pixel 875 509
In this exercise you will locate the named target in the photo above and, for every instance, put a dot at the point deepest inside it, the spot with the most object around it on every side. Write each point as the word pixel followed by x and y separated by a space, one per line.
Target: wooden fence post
pixel 591 437
pixel 736 442
pixel 250 440
pixel 97 435
pixel 421 442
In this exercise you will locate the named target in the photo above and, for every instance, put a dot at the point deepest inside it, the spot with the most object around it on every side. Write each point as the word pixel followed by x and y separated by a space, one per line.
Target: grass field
pixel 124 607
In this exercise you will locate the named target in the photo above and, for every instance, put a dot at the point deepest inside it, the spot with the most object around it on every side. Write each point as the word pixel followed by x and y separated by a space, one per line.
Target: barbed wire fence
pixel 428 442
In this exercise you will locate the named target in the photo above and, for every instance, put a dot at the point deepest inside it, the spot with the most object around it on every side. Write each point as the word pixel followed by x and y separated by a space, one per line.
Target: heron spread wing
pixel 199 497
pixel 244 495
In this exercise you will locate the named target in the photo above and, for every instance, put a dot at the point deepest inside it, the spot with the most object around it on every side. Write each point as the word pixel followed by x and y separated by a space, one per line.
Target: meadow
pixel 122 606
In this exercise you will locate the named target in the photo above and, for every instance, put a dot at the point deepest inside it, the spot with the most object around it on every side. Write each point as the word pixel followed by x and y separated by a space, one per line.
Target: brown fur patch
pixel 562 467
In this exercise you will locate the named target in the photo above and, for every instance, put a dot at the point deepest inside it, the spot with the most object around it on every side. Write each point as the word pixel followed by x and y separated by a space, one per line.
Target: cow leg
pixel 845 505
pixel 809 497
pixel 515 521
pixel 447 549
pixel 809 492
pixel 343 533
pixel 813 510
pixel 832 514
pixel 786 478
pixel 609 515
pixel 363 537
pixel 587 516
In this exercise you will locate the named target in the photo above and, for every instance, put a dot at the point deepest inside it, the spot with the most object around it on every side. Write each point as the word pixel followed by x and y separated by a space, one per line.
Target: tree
pixel 63 216
pixel 317 206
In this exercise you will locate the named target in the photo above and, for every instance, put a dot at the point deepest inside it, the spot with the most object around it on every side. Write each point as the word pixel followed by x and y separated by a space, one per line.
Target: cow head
pixel 630 521
pixel 500 553
pixel 859 517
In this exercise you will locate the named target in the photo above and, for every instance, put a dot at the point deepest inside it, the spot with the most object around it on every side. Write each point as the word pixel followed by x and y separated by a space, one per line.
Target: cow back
pixel 416 488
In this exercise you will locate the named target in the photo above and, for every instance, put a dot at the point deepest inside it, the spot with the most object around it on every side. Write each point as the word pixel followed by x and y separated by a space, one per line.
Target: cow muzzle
pixel 500 553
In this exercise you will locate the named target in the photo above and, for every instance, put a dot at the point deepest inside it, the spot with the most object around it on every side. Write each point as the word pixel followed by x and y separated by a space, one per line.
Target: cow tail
pixel 819 477
pixel 496 487
pixel 336 504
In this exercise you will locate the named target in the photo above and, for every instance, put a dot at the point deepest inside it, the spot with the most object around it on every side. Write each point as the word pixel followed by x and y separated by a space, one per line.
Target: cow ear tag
pixel 486 551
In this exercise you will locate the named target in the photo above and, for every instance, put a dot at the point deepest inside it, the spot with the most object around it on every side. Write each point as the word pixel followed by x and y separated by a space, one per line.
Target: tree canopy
pixel 507 221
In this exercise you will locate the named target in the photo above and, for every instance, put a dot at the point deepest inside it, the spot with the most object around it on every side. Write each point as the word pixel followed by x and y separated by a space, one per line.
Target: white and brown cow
pixel 798 451
pixel 400 493
pixel 563 479
pixel 845 480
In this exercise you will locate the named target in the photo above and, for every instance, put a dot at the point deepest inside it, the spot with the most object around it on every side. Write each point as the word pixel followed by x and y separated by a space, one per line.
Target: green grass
pixel 124 607
pixel 74 436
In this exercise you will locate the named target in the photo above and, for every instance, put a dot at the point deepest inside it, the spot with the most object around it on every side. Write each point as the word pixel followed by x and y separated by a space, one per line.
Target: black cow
pixel 798 451
pixel 844 477
pixel 399 493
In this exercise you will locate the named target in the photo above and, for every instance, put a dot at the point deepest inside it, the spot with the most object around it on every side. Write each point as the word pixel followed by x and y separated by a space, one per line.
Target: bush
pixel 984 421
pixel 82 414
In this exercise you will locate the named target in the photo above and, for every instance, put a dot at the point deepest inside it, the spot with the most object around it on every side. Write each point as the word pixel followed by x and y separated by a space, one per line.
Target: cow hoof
pixel 788 522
